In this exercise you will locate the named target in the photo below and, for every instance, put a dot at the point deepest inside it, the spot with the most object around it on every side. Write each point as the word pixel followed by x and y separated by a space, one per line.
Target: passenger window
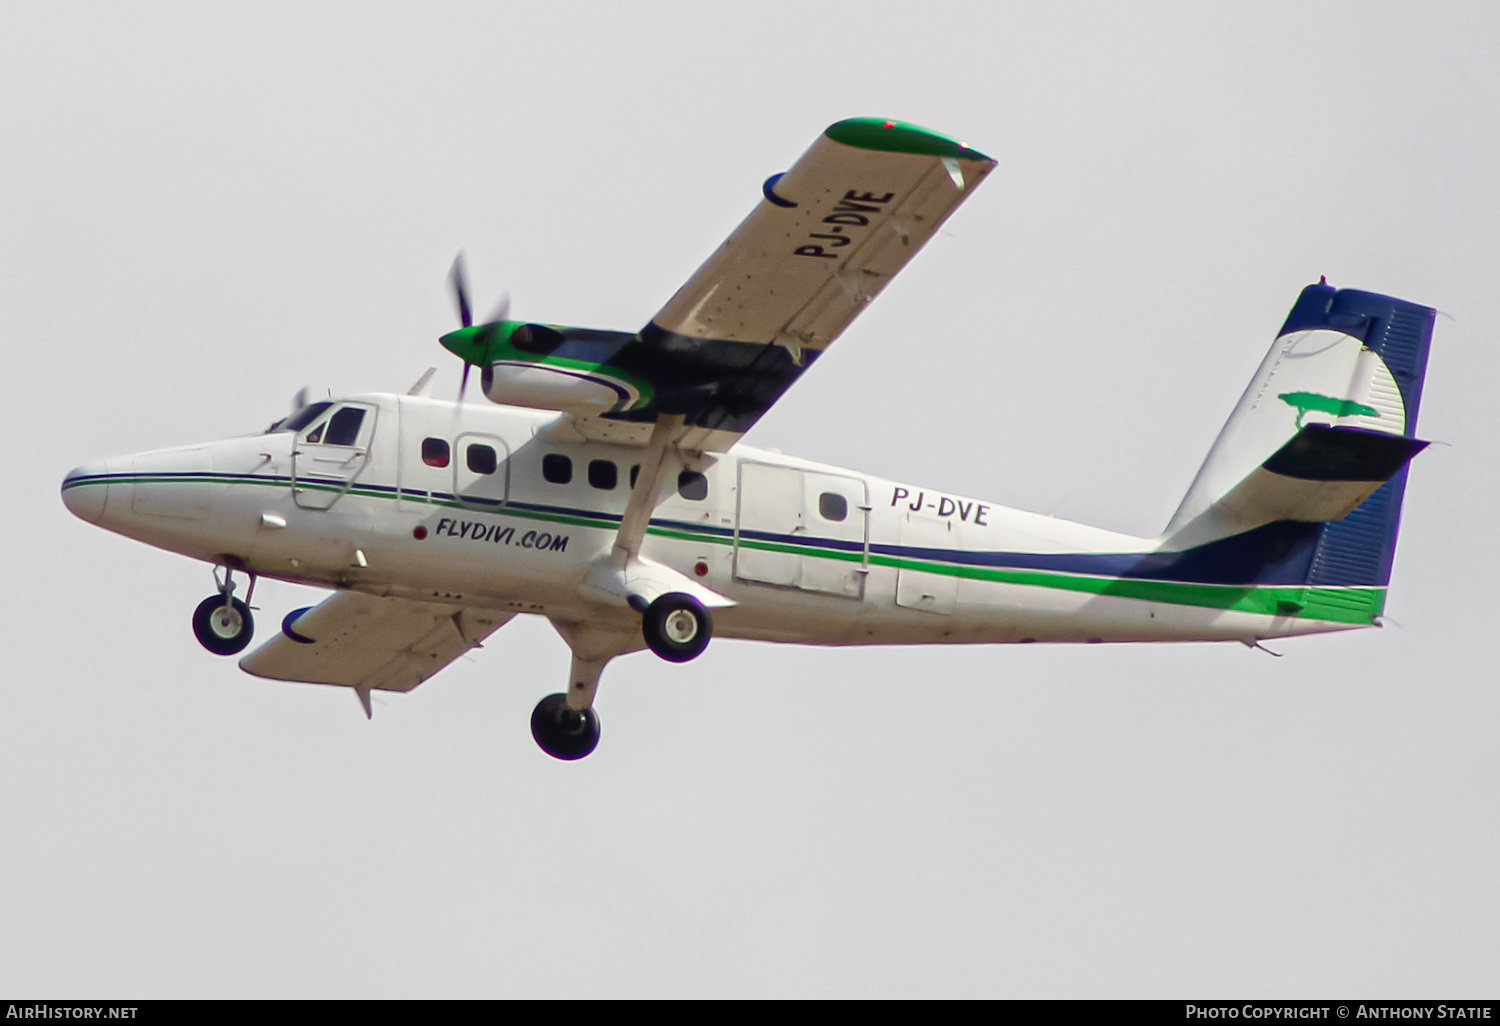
pixel 833 506
pixel 603 474
pixel 343 426
pixel 635 472
pixel 435 452
pixel 534 338
pixel 481 459
pixel 692 485
pixel 557 468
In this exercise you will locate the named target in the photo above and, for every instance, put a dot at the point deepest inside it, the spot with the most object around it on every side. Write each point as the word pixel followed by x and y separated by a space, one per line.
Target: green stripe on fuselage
pixel 1351 605
pixel 1341 605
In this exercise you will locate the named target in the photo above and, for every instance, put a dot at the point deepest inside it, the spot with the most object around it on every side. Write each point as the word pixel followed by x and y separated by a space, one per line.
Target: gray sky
pixel 204 207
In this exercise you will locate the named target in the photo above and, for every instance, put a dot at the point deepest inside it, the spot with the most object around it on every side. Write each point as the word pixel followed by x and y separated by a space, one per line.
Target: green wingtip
pixel 900 137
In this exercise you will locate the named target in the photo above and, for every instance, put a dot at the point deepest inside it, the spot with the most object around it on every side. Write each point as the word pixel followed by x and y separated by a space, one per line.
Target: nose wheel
pixel 562 732
pixel 222 623
pixel 223 629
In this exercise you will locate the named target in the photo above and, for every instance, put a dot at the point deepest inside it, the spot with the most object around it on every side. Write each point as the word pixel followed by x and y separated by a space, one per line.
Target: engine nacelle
pixel 551 386
pixel 565 369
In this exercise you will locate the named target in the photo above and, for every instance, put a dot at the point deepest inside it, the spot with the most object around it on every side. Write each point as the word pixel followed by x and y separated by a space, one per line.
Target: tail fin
pixel 1322 436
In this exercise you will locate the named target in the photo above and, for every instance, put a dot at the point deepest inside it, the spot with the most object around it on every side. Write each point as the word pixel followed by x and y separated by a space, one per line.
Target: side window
pixel 435 452
pixel 557 468
pixel 343 426
pixel 692 485
pixel 603 474
pixel 316 434
pixel 833 506
pixel 480 459
pixel 635 472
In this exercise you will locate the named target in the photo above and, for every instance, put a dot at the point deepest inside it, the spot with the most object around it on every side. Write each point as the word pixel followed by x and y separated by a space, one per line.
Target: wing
pixel 825 239
pixel 370 643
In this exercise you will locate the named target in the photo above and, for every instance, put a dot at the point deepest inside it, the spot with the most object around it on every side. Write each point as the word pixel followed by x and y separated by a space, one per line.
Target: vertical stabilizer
pixel 1319 442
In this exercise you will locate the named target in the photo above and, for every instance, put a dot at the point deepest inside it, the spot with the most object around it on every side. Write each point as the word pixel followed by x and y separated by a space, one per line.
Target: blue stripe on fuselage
pixel 1279 553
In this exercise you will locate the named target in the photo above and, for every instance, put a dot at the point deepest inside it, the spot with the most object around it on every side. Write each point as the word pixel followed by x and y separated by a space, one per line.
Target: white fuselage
pixel 807 553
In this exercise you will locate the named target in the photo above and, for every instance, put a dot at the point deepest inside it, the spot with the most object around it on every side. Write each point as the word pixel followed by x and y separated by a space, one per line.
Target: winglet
pixel 364 701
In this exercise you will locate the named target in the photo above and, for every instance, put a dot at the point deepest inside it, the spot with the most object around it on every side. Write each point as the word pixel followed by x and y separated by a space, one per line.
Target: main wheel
pixel 223 630
pixel 677 627
pixel 564 733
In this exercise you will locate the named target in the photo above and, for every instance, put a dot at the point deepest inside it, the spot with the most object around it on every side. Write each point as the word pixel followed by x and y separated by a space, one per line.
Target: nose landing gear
pixel 222 623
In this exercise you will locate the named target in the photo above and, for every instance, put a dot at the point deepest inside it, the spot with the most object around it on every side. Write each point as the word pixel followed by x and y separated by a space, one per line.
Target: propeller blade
pixel 502 310
pixel 463 385
pixel 461 290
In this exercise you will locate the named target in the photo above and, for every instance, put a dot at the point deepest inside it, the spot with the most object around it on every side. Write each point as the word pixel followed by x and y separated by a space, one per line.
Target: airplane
pixel 605 485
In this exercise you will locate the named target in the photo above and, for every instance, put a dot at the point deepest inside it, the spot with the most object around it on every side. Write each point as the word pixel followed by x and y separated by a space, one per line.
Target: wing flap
pixel 373 643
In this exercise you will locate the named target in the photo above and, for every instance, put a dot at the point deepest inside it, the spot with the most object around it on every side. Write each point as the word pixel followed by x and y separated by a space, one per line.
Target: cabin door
pixel 801 529
pixel 481 471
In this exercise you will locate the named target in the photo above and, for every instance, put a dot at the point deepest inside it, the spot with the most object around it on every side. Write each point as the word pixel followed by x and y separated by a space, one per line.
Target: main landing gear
pixel 563 732
pixel 677 627
pixel 222 623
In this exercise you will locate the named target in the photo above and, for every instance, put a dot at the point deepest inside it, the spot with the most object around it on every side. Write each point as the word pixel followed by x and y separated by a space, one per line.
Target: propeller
pixel 460 284
pixel 458 278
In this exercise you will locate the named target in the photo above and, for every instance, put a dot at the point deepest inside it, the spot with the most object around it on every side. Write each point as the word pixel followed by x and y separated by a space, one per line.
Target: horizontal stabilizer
pixel 1342 454
pixel 1322 474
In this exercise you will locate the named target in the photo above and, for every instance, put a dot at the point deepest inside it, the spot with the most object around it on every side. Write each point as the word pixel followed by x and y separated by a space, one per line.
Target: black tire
pixel 564 733
pixel 223 634
pixel 677 627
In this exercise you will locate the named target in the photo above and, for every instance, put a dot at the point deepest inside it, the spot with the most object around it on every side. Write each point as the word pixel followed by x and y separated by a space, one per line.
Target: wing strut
pixel 624 577
pixel 667 430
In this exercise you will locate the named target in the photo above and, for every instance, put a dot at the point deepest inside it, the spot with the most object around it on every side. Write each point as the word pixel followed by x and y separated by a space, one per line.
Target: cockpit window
pixel 300 419
pixel 343 426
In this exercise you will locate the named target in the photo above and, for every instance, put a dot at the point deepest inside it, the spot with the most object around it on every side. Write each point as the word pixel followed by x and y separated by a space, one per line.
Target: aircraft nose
pixel 85 491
